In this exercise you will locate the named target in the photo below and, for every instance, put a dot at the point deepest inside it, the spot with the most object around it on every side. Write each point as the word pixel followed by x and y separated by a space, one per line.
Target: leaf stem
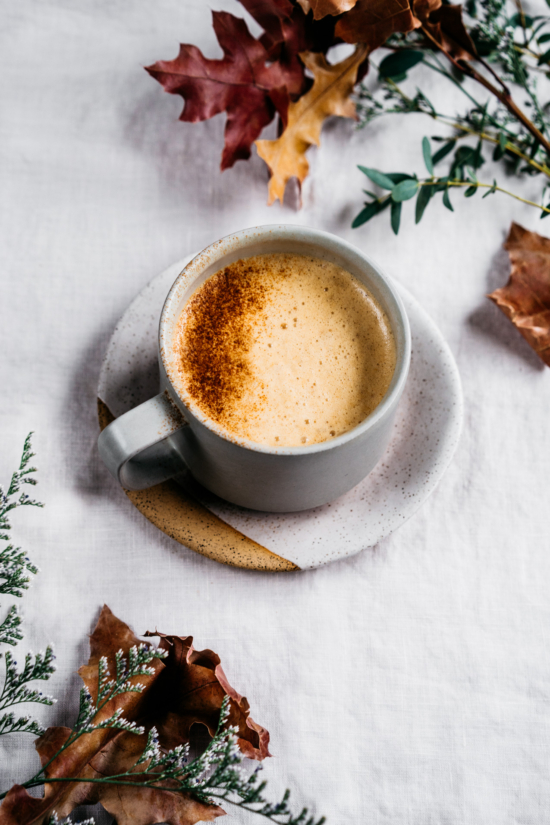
pixel 203 792
pixel 501 94
pixel 433 181
pixel 541 167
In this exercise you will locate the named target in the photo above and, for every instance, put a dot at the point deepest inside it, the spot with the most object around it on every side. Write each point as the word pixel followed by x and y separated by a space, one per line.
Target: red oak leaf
pixel 284 37
pixel 241 84
pixel 287 32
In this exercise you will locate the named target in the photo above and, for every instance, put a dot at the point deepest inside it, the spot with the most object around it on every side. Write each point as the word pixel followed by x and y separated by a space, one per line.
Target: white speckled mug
pixel 158 439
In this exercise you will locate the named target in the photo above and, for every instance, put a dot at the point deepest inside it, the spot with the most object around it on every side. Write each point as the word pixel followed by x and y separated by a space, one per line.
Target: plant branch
pixel 451 121
pixel 503 95
pixel 204 792
pixel 492 186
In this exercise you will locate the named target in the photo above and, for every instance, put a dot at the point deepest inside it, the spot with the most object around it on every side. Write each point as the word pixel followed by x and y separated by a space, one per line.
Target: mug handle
pixel 143 447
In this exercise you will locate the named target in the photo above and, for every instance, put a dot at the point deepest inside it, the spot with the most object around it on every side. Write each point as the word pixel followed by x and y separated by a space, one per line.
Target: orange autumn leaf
pixel 186 688
pixel 321 8
pixel 525 299
pixel 329 95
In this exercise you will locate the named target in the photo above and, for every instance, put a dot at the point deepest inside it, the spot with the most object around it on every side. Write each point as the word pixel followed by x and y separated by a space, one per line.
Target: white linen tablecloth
pixel 409 684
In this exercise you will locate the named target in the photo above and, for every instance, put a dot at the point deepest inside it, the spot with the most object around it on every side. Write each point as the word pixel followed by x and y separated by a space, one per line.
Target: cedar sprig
pixel 214 776
pixel 16 570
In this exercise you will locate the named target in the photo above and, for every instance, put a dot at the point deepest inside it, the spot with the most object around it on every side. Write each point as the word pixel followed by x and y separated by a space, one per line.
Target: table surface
pixel 409 684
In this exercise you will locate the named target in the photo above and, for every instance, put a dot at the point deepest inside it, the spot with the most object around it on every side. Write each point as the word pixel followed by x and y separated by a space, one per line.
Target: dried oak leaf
pixel 321 8
pixel 284 38
pixel 241 84
pixel 373 21
pixel 187 688
pixel 525 299
pixel 190 691
pixel 329 95
pixel 287 32
pixel 444 26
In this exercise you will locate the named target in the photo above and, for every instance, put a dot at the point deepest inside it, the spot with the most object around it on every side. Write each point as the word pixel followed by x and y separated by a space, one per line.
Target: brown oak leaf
pixel 241 84
pixel 444 25
pixel 423 8
pixel 321 8
pixel 373 21
pixel 186 689
pixel 525 299
pixel 329 95
pixel 287 32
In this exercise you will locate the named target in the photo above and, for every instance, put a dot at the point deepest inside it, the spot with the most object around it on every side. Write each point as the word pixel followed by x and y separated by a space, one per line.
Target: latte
pixel 283 350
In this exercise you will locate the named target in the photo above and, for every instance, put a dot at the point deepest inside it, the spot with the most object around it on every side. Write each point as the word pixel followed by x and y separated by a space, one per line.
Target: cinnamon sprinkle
pixel 215 334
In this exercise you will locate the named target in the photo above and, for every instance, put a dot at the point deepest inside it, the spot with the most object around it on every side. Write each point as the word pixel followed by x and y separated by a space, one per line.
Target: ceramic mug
pixel 168 434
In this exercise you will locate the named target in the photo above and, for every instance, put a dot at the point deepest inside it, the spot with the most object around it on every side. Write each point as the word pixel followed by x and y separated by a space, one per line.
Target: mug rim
pixel 233 242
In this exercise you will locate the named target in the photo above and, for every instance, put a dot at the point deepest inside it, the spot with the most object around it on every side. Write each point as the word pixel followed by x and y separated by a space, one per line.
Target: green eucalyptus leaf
pixel 502 141
pixel 441 185
pixel 471 190
pixel 404 191
pixel 521 20
pixel 427 153
pixel 544 38
pixel 424 196
pixel 397 177
pixel 544 214
pixel 395 216
pixel 463 155
pixel 491 191
pixel 477 160
pixel 544 58
pixel 370 210
pixel 398 78
pixel 397 64
pixel 447 200
pixel 377 177
pixel 444 151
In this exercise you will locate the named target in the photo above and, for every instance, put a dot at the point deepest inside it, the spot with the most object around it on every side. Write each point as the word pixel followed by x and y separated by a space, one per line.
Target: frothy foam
pixel 284 350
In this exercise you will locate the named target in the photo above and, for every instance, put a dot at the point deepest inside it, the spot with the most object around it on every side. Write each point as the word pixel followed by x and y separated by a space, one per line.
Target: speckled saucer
pixel 426 434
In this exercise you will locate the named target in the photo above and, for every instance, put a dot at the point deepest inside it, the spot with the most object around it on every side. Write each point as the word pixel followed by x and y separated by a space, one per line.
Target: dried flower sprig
pixel 214 776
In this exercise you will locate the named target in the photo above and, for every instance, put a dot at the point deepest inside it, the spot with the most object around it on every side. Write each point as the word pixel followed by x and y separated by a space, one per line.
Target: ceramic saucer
pixel 426 434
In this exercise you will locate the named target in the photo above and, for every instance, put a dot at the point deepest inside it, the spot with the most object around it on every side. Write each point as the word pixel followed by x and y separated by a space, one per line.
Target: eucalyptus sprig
pixel 512 52
pixel 401 187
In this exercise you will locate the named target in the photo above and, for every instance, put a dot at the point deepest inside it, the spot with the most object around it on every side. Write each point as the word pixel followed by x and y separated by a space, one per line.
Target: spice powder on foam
pixel 216 329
